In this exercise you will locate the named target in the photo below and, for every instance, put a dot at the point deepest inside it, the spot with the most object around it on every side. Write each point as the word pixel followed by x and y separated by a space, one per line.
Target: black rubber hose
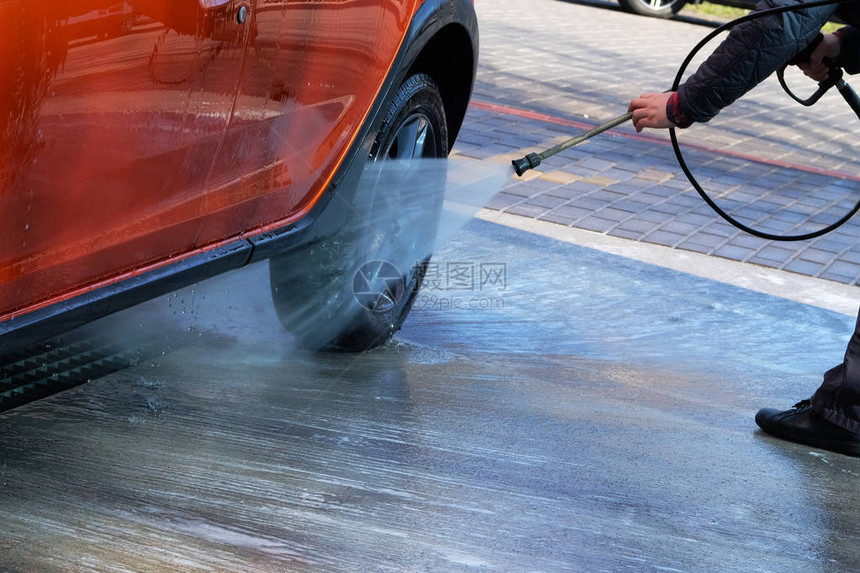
pixel 677 148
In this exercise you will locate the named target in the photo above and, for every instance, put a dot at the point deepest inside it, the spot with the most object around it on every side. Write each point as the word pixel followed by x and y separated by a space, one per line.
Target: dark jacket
pixel 755 49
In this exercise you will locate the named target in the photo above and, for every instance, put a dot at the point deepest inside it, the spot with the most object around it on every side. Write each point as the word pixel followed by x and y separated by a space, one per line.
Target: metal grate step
pixel 44 369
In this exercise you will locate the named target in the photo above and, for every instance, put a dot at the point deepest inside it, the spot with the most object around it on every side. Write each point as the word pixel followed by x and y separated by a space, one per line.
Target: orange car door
pixel 312 73
pixel 111 115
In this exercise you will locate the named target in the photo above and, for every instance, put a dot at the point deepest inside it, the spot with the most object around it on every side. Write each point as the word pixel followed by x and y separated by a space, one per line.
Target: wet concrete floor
pixel 566 410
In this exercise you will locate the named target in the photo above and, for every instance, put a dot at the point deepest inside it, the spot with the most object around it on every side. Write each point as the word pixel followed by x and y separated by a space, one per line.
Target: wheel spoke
pixel 420 137
pixel 411 139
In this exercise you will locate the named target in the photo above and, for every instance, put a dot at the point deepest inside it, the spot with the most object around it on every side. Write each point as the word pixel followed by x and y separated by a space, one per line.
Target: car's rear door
pixel 112 113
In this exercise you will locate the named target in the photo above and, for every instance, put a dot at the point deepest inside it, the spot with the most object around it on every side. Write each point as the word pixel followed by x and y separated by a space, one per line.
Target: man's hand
pixel 649 110
pixel 815 68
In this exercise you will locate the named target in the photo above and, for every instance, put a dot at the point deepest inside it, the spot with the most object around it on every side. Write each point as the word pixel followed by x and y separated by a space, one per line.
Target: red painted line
pixel 526 114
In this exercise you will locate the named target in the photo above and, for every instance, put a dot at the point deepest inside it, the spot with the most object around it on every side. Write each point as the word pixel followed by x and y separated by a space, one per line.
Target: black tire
pixel 656 8
pixel 352 291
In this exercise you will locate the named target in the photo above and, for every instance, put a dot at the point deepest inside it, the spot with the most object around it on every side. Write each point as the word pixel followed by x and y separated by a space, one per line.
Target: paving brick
pixel 711 242
pixel 502 201
pixel 527 210
pixel 734 252
pixel 617 174
pixel 613 214
pixel 765 262
pixel 695 247
pixel 845 269
pixel 547 201
pixel 554 217
pixel 746 240
pixel 630 206
pixel 814 255
pixel 664 238
pixel 852 256
pixel 837 278
pixel 654 175
pixel 639 226
pixel 661 191
pixel 719 228
pixel 561 177
pixel 588 202
pixel 596 164
pixel 680 226
pixel 774 253
pixel 566 192
pixel 600 180
pixel 805 267
pixel 670 208
pixel 594 223
pixel 625 234
pixel 530 188
pixel 571 211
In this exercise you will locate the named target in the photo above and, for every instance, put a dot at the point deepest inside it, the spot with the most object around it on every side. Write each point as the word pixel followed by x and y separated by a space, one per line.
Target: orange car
pixel 149 144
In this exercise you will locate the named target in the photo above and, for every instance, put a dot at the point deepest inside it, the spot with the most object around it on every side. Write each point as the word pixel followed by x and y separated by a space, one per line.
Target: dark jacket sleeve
pixel 751 52
pixel 849 54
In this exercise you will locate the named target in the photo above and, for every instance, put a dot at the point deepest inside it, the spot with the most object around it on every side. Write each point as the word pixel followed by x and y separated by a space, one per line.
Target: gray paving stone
pixel 814 255
pixel 838 278
pixel 765 262
pixel 734 252
pixel 845 269
pixel 554 217
pixel 502 200
pixel 527 210
pixel 680 226
pixel 572 211
pixel 664 238
pixel 547 201
pixel 707 240
pixel 613 214
pixel 630 206
pixel 852 256
pixel 745 240
pixel 690 245
pixel 595 223
pixel 638 226
pixel 625 234
pixel 589 202
pixel 804 267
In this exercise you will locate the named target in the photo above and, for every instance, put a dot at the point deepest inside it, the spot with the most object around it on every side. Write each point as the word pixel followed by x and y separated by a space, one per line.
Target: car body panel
pixel 128 146
pixel 118 110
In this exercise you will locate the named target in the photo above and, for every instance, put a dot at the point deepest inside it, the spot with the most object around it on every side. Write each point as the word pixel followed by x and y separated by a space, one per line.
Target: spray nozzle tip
pixel 523 164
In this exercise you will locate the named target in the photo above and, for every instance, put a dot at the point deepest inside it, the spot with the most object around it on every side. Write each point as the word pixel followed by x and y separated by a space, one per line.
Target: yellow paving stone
pixel 600 180
pixel 562 177
pixel 505 157
pixel 654 175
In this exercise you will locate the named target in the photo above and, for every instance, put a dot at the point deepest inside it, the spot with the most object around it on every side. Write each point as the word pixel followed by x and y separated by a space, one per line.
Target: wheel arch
pixel 449 57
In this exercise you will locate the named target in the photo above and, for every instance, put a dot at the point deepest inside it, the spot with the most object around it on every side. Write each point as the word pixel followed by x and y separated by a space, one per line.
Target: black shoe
pixel 801 424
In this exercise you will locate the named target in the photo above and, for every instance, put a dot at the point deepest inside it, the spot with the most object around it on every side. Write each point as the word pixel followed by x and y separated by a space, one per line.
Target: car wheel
pixel 352 291
pixel 656 8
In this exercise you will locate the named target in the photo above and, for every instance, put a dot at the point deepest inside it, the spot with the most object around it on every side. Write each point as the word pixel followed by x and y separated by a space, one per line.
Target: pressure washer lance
pixel 532 160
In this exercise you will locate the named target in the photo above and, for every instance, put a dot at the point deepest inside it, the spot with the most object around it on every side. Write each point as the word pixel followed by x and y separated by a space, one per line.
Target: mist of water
pixel 398 214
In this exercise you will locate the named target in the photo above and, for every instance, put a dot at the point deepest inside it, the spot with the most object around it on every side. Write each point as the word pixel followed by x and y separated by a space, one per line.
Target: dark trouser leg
pixel 838 398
